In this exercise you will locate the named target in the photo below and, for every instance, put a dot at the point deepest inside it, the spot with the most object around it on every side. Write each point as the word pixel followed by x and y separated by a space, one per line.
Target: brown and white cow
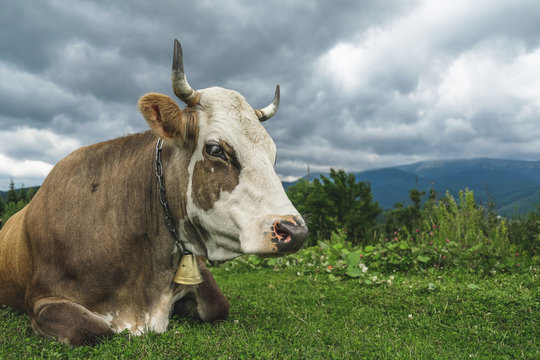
pixel 92 255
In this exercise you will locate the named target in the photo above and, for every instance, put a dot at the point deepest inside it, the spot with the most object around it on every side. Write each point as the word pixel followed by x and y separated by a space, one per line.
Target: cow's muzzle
pixel 288 234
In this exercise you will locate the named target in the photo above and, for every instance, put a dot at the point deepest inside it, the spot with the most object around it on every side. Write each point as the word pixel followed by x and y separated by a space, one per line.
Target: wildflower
pixel 361 255
pixel 434 226
pixel 417 230
pixel 410 316
pixel 330 267
pixel 431 243
pixel 447 240
pixel 517 265
pixel 517 254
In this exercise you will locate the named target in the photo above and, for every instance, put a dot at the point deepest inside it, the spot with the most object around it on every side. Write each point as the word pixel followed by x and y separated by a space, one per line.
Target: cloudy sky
pixel 364 84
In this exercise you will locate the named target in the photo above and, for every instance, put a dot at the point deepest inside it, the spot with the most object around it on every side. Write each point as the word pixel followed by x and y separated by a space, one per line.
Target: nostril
pixel 281 233
pixel 286 231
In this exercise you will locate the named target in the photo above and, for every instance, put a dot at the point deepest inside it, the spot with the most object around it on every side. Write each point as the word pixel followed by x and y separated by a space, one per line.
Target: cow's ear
pixel 163 115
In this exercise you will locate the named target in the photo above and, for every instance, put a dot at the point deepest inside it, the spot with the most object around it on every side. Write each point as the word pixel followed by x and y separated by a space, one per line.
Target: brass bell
pixel 188 271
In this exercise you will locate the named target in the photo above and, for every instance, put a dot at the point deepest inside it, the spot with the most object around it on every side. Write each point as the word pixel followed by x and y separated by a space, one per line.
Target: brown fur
pixel 167 120
pixel 69 322
pixel 15 262
pixel 214 175
pixel 94 239
pixel 162 115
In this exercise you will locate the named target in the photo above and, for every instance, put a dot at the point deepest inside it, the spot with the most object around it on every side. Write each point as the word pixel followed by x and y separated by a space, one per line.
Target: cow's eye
pixel 216 151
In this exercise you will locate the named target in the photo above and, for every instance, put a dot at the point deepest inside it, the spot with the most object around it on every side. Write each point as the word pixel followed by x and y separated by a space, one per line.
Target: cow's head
pixel 234 198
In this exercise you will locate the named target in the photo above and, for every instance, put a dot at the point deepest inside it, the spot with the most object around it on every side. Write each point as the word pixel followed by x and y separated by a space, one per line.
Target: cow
pixel 95 251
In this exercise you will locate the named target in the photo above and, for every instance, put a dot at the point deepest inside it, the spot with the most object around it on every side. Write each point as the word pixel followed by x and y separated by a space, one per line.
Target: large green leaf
pixel 352 259
pixel 369 248
pixel 354 272
pixel 403 245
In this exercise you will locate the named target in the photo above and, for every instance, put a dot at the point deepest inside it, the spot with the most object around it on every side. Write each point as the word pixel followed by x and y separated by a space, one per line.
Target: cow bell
pixel 188 271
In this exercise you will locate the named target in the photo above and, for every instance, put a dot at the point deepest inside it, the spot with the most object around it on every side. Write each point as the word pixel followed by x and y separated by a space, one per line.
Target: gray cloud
pixel 364 83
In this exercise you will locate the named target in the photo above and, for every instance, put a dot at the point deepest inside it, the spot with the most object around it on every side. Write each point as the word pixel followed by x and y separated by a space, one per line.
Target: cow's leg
pixel 207 303
pixel 68 322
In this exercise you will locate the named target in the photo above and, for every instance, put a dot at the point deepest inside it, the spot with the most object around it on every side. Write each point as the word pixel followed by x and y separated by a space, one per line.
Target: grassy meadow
pixel 449 280
pixel 284 314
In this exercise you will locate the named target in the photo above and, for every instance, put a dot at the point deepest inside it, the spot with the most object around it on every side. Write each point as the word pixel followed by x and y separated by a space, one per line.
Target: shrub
pixel 451 233
pixel 336 202
pixel 524 232
pixel 11 208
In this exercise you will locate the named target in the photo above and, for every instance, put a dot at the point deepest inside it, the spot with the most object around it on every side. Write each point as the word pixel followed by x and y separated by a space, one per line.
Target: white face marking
pixel 236 222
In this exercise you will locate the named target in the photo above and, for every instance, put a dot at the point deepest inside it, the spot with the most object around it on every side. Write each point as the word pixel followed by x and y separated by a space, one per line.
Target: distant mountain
pixel 513 185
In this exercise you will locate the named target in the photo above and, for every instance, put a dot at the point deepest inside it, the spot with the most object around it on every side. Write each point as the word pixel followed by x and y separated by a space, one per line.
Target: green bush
pixel 402 253
pixel 336 202
pixel 452 233
pixel 11 208
pixel 524 232
pixel 15 201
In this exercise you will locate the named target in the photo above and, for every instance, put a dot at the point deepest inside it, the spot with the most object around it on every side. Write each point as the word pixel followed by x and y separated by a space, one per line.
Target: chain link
pixel 169 219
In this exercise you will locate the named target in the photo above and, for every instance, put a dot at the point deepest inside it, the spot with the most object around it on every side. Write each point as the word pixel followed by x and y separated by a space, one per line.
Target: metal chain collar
pixel 169 219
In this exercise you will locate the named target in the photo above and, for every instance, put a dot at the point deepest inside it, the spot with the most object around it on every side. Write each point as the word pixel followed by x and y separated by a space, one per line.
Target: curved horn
pixel 269 111
pixel 180 85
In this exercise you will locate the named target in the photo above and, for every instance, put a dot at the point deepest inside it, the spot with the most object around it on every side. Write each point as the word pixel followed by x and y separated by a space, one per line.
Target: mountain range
pixel 513 185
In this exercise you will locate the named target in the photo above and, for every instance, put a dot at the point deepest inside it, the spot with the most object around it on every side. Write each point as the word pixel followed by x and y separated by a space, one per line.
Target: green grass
pixel 281 315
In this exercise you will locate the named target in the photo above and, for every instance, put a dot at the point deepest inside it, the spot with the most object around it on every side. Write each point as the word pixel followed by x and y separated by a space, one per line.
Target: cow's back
pixel 15 264
pixel 85 229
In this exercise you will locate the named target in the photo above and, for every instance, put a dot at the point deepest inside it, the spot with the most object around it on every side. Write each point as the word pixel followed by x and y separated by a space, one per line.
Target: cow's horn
pixel 180 85
pixel 269 111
